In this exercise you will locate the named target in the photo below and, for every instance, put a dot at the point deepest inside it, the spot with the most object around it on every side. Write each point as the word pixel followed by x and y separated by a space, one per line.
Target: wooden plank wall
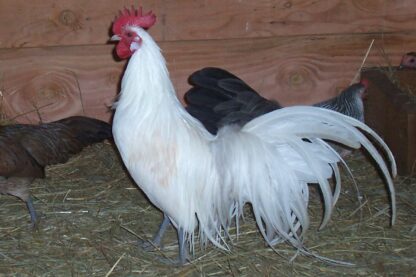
pixel 55 59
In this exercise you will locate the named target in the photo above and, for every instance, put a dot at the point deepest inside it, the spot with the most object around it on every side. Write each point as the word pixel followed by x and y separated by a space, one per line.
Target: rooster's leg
pixel 157 242
pixel 183 251
pixel 157 239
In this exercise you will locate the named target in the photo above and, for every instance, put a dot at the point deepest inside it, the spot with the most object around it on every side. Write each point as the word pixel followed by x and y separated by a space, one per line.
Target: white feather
pixel 203 181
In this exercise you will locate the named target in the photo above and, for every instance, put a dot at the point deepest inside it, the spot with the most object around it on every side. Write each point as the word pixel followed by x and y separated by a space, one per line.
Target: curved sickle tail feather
pixel 269 163
pixel 308 122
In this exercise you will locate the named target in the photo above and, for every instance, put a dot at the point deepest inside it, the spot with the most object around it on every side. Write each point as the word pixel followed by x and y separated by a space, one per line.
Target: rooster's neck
pixel 146 85
pixel 148 104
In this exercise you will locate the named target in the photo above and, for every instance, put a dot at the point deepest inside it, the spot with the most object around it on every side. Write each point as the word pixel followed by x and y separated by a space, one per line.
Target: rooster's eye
pixel 129 34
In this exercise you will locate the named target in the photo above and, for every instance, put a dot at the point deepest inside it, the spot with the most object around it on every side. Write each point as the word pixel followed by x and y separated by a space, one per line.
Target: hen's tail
pixel 272 159
pixel 87 130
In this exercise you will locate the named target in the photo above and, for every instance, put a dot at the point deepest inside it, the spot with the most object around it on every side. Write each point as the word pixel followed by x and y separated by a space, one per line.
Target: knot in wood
pixel 296 79
pixel 67 17
pixel 49 91
pixel 287 4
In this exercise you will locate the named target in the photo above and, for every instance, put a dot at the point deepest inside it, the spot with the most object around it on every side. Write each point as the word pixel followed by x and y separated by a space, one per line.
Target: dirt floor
pixel 92 216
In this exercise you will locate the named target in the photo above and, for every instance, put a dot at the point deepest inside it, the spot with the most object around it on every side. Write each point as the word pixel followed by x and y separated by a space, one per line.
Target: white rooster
pixel 200 180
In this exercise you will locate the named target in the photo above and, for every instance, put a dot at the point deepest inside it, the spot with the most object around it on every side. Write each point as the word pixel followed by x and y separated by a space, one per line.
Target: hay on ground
pixel 92 216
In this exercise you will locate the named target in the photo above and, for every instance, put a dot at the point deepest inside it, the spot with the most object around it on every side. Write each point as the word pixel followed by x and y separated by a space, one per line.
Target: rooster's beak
pixel 115 38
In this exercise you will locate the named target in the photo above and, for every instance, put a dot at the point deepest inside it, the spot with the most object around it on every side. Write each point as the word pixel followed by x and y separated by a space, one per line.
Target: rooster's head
pixel 128 40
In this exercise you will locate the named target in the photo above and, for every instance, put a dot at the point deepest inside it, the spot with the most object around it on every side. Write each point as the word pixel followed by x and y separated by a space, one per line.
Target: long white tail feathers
pixel 315 124
pixel 270 161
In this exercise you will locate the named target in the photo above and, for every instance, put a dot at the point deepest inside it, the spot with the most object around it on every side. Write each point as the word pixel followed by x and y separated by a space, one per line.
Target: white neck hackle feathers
pixel 203 181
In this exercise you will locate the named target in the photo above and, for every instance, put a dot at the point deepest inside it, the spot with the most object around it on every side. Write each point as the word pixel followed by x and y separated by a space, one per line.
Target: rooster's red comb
pixel 133 17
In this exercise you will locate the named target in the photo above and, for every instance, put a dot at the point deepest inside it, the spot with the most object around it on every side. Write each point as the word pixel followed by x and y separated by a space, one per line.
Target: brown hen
pixel 27 149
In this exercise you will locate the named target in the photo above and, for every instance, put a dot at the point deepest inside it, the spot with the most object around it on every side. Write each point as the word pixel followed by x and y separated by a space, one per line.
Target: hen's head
pixel 123 30
pixel 364 83
pixel 408 60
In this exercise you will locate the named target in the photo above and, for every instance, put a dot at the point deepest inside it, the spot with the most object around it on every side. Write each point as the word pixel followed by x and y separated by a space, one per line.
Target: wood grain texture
pixel 44 93
pixel 60 81
pixel 293 70
pixel 76 22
